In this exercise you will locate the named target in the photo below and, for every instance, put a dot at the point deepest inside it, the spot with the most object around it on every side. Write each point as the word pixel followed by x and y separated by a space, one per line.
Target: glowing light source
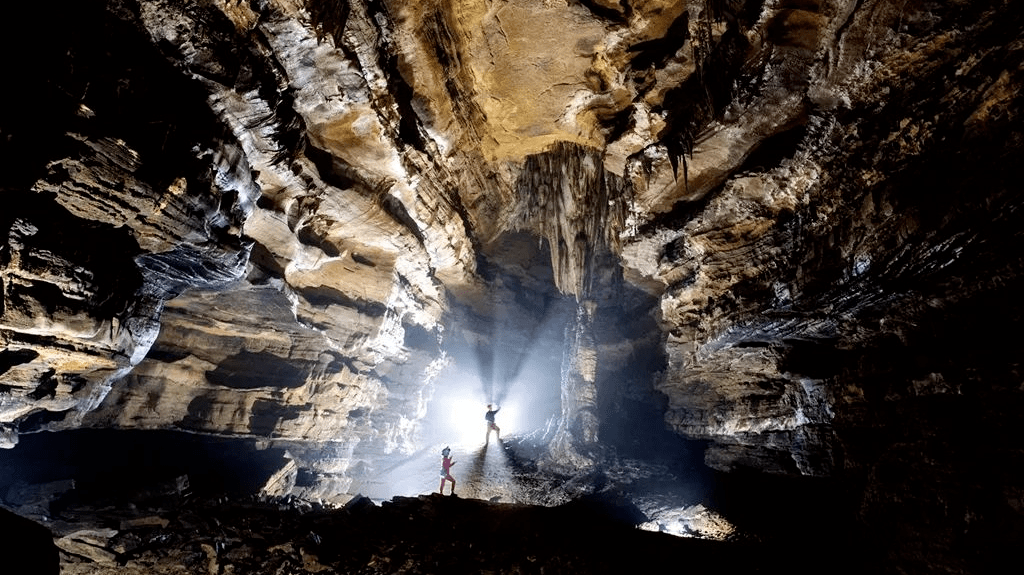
pixel 464 420
pixel 456 413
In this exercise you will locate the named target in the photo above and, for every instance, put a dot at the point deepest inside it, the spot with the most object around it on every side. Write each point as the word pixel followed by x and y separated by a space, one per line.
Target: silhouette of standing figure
pixel 446 466
pixel 491 426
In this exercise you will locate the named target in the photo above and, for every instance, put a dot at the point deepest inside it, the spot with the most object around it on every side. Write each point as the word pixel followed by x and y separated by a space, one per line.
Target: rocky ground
pixel 154 503
pixel 510 515
pixel 426 534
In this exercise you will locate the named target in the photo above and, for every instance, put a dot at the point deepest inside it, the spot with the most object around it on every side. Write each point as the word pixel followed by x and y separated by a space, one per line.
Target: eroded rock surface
pixel 791 229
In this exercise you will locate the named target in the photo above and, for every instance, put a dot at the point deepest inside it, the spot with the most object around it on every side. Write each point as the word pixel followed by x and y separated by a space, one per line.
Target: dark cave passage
pixel 122 466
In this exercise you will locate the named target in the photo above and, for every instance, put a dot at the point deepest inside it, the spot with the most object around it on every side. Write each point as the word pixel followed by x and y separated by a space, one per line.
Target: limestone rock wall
pixel 357 160
pixel 853 237
pixel 118 203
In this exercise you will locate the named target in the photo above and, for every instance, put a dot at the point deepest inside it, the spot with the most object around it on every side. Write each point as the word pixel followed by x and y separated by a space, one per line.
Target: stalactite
pixel 567 197
pixel 701 99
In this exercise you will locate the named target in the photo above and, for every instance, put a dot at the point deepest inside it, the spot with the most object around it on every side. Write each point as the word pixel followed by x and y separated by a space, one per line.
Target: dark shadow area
pixel 248 370
pixel 130 466
pixel 813 513
pixel 26 546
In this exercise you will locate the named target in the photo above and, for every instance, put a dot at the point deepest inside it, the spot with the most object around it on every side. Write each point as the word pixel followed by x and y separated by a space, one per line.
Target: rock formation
pixel 784 231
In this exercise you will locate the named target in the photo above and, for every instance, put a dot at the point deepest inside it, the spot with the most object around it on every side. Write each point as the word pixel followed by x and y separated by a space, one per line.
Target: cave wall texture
pixel 792 227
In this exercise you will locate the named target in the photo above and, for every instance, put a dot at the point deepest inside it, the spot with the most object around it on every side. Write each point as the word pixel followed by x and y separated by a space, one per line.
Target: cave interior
pixel 742 278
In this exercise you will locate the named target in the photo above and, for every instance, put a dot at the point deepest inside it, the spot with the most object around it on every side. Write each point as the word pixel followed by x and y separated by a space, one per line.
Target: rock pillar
pixel 575 444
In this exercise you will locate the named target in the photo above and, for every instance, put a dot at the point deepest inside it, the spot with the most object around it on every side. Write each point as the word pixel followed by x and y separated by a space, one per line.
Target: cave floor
pixel 510 515
pixel 655 497
pixel 480 472
pixel 425 534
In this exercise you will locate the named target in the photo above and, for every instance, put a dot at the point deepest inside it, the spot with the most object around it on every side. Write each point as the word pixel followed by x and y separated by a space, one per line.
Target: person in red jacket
pixel 446 466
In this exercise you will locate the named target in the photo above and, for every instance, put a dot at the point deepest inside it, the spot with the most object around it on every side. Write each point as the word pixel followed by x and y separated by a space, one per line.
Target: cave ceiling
pixel 296 220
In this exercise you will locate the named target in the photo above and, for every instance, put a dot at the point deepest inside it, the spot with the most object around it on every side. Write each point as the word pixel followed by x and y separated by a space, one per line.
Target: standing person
pixel 489 416
pixel 446 466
